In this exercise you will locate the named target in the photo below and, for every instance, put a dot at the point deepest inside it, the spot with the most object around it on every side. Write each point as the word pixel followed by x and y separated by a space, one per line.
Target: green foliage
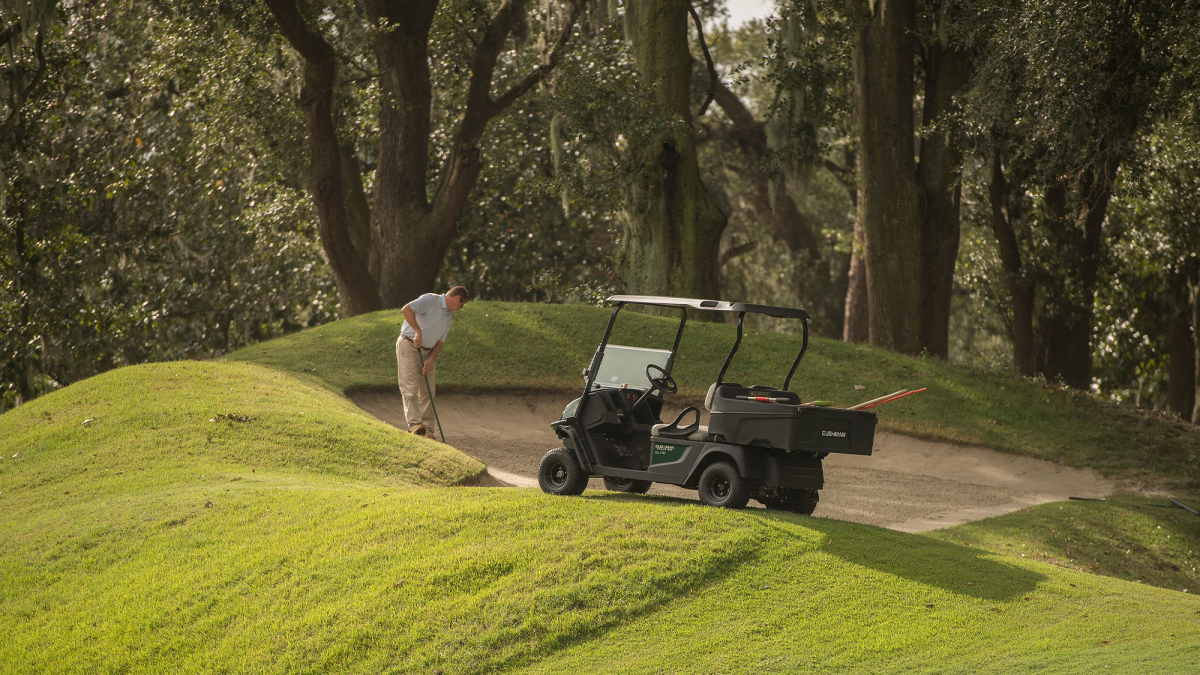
pixel 1157 211
pixel 139 222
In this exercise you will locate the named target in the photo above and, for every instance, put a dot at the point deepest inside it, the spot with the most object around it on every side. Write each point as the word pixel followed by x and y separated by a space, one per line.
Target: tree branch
pixel 735 251
pixel 462 166
pixel 355 285
pixel 551 62
pixel 708 59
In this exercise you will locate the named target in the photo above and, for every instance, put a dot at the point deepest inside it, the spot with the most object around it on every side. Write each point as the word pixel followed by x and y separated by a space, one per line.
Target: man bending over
pixel 426 324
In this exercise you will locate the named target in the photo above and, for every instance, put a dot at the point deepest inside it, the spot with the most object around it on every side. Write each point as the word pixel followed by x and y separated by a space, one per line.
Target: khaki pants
pixel 418 406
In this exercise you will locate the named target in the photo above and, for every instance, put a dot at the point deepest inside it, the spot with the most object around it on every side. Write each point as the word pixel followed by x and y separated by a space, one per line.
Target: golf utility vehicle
pixel 760 442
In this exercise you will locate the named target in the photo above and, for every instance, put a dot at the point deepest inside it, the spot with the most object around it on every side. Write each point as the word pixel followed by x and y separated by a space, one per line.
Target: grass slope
pixel 228 517
pixel 528 346
pixel 1127 537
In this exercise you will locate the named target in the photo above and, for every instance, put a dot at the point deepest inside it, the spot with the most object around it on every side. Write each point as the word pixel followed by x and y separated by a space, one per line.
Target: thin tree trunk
pixel 1194 299
pixel 857 324
pixel 947 71
pixel 1020 287
pixel 883 93
pixel 1181 359
pixel 673 225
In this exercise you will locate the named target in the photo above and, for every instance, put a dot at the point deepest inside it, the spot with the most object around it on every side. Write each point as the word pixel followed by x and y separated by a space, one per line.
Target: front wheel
pixel 637 487
pixel 722 485
pixel 560 474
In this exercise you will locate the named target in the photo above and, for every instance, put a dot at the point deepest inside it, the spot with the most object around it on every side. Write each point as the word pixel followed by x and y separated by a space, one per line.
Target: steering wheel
pixel 664 383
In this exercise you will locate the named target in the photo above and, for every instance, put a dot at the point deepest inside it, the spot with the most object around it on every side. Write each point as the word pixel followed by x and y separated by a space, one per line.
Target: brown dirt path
pixel 907 484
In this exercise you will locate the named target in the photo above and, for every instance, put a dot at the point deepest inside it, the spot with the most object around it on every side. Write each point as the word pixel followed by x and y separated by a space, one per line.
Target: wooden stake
pixel 876 400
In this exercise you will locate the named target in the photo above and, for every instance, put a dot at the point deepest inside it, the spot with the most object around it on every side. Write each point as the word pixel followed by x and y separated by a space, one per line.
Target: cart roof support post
pixel 737 341
pixel 803 348
pixel 675 345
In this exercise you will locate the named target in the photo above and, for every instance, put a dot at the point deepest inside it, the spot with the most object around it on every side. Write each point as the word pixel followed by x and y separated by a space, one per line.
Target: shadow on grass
pixel 954 568
pixel 951 567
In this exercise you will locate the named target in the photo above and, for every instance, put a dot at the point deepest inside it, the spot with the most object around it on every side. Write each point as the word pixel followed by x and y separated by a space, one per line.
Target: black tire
pixel 637 487
pixel 721 485
pixel 560 474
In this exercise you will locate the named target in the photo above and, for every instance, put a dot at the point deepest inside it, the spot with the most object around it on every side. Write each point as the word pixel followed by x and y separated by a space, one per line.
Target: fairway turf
pixel 230 517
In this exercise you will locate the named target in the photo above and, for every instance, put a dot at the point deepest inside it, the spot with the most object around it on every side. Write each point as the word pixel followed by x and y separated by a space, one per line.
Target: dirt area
pixel 907 484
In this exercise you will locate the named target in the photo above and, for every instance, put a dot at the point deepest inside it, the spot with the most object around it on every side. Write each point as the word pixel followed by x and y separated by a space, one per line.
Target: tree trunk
pixel 1067 323
pixel 947 71
pixel 1181 359
pixel 673 225
pixel 1194 298
pixel 883 97
pixel 857 325
pixel 1020 287
pixel 410 226
pixel 356 288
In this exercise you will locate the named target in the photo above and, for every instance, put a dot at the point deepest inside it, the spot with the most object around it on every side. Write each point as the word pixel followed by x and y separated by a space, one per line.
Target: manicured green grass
pixel 528 346
pixel 1141 539
pixel 231 517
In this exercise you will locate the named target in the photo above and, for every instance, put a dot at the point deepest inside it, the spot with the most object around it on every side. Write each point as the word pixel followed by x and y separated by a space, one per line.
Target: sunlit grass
pixel 231 517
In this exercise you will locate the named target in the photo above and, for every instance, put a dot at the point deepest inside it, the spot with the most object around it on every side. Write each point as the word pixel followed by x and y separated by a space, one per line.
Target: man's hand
pixel 428 368
pixel 417 339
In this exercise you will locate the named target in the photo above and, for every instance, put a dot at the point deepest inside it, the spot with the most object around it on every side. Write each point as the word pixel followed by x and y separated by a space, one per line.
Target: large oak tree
pixel 386 250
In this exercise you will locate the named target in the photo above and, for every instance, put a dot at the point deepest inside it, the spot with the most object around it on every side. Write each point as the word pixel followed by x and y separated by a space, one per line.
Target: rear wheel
pixel 722 485
pixel 637 487
pixel 560 474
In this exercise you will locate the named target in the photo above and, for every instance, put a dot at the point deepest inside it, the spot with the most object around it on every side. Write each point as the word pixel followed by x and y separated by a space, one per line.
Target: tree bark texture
pixel 883 94
pixel 673 225
pixel 857 324
pixel 1021 287
pixel 356 288
pixel 1181 345
pixel 939 175
pixel 410 224
pixel 1194 299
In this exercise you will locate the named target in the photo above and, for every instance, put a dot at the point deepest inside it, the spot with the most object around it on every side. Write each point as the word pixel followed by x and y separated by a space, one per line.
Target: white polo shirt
pixel 432 316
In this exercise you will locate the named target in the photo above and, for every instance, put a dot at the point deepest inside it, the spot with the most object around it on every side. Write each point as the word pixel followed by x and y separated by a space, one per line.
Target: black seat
pixel 693 431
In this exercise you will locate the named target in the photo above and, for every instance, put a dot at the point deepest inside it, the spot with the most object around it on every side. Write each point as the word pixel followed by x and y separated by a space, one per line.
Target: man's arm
pixel 411 318
pixel 433 354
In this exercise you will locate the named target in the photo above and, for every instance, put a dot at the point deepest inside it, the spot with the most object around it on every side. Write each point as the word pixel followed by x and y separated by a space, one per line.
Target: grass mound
pixel 161 423
pixel 232 517
pixel 528 346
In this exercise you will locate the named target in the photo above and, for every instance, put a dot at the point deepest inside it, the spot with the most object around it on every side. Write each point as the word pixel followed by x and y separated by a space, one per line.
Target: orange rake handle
pixel 893 398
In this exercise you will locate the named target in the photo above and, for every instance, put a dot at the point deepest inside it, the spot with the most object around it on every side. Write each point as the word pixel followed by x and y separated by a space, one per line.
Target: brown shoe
pixel 419 430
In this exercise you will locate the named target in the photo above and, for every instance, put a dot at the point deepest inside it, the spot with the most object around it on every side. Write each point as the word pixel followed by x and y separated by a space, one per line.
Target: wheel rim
pixel 557 476
pixel 621 482
pixel 718 489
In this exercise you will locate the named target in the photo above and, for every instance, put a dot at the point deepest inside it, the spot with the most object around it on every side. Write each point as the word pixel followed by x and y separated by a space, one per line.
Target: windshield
pixel 627 366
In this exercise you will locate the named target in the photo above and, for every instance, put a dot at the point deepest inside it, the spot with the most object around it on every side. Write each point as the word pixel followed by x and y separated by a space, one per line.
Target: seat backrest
pixel 708 398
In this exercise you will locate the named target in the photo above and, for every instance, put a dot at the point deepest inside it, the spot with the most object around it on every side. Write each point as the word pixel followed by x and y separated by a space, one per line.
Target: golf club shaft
pixel 429 390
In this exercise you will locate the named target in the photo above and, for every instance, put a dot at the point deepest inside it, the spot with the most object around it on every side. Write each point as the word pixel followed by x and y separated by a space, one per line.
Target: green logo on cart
pixel 665 452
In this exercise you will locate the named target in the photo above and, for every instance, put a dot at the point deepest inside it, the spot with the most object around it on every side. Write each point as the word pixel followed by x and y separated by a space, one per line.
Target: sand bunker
pixel 907 484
